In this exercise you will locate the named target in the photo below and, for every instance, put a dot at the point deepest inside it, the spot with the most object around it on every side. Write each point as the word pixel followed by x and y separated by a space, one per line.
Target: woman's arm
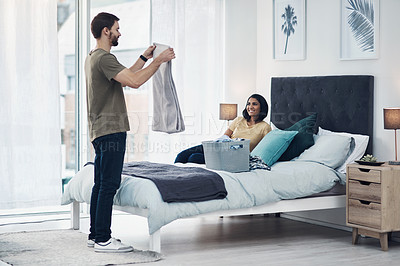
pixel 228 132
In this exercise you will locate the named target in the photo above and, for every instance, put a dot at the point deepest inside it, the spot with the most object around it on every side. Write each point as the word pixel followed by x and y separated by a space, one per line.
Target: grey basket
pixel 231 156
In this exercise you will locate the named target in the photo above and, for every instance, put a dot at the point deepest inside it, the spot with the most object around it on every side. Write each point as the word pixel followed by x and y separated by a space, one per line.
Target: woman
pixel 251 126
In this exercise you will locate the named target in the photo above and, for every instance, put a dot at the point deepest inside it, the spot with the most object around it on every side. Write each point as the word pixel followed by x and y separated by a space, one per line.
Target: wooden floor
pixel 245 240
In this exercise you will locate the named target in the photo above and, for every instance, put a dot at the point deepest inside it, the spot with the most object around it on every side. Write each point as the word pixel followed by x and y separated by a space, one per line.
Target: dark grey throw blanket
pixel 179 184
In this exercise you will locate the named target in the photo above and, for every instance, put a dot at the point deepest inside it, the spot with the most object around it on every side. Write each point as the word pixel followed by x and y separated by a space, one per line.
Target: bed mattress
pixel 286 180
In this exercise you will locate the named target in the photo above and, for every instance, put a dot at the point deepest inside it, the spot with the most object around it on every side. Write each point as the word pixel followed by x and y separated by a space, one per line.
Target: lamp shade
pixel 227 111
pixel 391 118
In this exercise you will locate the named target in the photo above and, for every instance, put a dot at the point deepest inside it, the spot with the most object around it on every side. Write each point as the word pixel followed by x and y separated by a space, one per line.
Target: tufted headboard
pixel 343 103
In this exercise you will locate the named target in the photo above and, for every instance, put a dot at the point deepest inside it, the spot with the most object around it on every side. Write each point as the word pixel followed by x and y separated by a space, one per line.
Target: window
pixel 194 29
pixel 135 21
pixel 66 50
pixel 135 29
pixel 30 142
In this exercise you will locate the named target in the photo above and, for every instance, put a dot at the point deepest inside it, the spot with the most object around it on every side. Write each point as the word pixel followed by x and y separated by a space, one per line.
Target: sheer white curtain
pixel 194 28
pixel 30 145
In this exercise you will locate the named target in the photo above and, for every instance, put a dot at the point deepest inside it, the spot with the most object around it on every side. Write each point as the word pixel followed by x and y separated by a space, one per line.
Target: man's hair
pixel 100 21
pixel 263 108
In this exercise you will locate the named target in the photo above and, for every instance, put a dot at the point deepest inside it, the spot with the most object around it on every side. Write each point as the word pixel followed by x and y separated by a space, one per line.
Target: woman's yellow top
pixel 254 133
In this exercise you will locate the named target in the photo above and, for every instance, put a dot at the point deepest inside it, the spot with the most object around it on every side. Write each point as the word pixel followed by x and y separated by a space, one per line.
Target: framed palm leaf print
pixel 289 29
pixel 359 29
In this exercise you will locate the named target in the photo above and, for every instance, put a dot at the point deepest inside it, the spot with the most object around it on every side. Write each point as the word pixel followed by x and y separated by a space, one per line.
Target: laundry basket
pixel 231 156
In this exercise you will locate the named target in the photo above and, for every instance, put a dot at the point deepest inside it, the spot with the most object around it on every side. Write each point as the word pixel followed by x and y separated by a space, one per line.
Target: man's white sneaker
pixel 90 243
pixel 112 246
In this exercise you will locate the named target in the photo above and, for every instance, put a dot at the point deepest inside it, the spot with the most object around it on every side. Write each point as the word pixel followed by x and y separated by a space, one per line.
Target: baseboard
pixel 316 222
pixel 395 235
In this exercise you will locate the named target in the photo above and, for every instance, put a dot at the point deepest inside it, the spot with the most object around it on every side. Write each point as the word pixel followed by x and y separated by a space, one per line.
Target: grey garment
pixel 167 116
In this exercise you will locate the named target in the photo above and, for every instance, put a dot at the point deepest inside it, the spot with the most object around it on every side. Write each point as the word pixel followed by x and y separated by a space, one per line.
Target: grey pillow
pixel 329 150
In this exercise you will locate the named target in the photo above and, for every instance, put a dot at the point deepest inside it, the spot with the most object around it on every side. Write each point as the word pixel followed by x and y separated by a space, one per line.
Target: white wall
pixel 240 51
pixel 249 29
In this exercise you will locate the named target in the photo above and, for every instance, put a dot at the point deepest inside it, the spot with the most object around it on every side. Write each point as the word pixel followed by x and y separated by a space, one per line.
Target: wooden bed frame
pixel 292 98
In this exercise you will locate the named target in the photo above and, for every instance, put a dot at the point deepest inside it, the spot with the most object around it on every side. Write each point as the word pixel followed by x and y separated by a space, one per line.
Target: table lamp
pixel 227 111
pixel 391 118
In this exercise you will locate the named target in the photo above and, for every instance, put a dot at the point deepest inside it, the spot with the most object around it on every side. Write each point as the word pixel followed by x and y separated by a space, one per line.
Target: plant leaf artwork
pixel 361 23
pixel 290 29
pixel 289 21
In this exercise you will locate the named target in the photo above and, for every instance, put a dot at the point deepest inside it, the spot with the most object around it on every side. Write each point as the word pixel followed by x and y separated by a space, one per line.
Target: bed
pixel 343 104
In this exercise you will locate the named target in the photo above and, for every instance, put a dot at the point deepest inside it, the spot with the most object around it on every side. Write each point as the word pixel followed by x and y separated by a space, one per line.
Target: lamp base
pixel 394 162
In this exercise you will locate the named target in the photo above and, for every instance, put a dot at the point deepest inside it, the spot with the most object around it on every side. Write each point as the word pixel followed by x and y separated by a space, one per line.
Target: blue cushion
pixel 273 145
pixel 301 141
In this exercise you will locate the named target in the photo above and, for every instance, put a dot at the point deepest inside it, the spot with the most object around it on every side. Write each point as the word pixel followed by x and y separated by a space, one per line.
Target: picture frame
pixel 289 29
pixel 359 29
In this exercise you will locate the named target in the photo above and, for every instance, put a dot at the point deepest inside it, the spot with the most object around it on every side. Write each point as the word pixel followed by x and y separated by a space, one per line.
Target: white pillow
pixel 329 150
pixel 79 186
pixel 361 143
pixel 273 126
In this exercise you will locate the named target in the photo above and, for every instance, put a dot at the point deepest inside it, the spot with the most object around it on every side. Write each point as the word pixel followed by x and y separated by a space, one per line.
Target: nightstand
pixel 373 201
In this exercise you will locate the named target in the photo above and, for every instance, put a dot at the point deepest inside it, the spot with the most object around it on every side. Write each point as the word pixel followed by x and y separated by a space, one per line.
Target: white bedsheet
pixel 286 180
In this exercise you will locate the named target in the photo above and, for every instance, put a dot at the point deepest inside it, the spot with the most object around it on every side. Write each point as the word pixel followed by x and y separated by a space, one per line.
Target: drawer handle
pixel 364 202
pixel 364 170
pixel 364 183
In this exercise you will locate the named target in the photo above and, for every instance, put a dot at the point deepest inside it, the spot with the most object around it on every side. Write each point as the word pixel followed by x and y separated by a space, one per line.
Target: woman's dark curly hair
pixel 263 108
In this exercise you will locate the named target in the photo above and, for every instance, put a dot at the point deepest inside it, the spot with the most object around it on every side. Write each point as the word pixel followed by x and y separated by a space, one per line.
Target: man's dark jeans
pixel 110 151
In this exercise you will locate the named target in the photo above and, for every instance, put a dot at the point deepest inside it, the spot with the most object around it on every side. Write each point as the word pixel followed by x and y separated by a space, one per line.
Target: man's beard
pixel 114 40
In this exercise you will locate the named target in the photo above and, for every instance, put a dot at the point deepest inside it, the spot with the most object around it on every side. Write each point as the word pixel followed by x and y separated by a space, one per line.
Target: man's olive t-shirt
pixel 105 98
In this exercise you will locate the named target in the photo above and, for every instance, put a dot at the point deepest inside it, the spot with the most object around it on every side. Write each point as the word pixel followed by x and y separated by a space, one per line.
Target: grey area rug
pixel 62 247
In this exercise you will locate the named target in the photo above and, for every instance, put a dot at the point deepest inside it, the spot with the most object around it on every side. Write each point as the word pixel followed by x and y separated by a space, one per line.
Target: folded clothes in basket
pixel 225 138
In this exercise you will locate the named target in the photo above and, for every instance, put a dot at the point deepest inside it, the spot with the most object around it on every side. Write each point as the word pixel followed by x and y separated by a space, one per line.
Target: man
pixel 108 122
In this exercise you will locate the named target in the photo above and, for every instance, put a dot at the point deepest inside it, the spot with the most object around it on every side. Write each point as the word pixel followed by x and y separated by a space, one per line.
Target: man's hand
pixel 135 79
pixel 166 55
pixel 149 52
